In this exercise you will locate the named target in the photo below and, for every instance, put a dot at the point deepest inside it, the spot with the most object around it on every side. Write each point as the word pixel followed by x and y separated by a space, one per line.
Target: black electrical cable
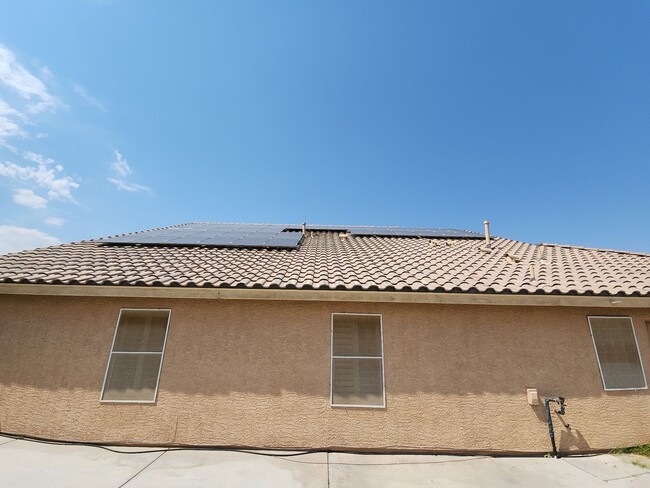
pixel 157 450
pixel 281 452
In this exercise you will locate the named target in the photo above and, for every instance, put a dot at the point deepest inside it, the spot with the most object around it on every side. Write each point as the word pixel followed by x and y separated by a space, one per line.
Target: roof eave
pixel 452 298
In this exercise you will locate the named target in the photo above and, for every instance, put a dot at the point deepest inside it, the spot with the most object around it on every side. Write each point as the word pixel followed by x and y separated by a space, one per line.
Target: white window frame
pixel 333 357
pixel 638 351
pixel 162 354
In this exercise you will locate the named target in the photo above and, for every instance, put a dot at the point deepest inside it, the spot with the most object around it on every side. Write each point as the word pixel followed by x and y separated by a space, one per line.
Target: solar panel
pixel 214 234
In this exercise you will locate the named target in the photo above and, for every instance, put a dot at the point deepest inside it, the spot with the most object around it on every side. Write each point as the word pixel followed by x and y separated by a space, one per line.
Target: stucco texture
pixel 257 373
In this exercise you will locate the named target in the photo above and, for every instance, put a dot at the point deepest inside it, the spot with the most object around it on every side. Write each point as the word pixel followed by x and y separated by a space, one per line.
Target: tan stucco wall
pixel 257 373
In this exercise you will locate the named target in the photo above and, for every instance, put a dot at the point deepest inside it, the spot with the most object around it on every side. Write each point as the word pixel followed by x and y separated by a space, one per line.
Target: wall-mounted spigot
pixel 562 402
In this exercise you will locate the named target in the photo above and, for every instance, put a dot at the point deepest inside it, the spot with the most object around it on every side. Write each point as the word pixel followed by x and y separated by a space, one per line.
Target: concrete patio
pixel 26 464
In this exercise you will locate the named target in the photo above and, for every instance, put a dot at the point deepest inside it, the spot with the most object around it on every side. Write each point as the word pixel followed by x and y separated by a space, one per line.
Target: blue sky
pixel 118 116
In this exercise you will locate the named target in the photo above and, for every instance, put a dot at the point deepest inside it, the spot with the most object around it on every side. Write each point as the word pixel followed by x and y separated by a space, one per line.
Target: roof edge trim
pixel 325 295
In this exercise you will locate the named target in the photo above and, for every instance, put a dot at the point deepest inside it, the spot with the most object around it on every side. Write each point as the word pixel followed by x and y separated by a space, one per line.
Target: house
pixel 339 337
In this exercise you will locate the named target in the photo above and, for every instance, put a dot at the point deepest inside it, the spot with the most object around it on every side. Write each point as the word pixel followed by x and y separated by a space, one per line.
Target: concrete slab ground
pixel 474 471
pixel 4 440
pixel 31 464
pixel 203 468
pixel 34 464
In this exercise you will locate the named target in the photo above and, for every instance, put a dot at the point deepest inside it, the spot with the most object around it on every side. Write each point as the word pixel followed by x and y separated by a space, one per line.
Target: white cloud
pixel 37 158
pixel 44 174
pixel 55 221
pixel 14 239
pixel 125 185
pixel 27 198
pixel 6 109
pixel 27 86
pixel 10 119
pixel 9 128
pixel 122 171
pixel 120 165
pixel 88 98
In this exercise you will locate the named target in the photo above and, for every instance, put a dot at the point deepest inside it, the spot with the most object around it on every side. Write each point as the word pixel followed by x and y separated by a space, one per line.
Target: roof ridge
pixel 586 248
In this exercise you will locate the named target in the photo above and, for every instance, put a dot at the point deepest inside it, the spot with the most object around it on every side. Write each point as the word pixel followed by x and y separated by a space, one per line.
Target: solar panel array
pixel 266 235
pixel 412 232
pixel 214 234
pixel 395 231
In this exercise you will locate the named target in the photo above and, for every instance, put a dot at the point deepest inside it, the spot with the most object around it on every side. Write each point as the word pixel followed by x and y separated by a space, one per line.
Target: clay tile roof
pixel 328 260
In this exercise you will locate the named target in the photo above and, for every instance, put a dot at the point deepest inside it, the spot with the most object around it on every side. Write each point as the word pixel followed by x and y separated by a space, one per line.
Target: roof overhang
pixel 325 295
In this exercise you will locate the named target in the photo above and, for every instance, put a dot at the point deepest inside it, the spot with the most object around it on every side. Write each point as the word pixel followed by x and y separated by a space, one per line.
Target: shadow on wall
pixel 216 347
pixel 571 439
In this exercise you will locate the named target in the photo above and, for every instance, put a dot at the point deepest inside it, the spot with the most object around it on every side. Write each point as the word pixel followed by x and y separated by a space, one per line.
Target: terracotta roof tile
pixel 325 260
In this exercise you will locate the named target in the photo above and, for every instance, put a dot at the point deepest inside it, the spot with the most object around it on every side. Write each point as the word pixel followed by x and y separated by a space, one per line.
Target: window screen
pixel 134 366
pixel 357 361
pixel 617 353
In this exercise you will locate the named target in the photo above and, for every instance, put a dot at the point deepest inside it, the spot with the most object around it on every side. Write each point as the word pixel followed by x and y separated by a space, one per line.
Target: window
pixel 136 356
pixel 617 353
pixel 357 361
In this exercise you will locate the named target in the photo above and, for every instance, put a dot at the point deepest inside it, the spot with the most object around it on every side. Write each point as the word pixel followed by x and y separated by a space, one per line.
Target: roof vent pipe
pixel 486 224
pixel 304 227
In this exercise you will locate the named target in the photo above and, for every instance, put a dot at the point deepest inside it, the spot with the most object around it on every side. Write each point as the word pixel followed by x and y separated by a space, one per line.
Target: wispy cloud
pixel 37 158
pixel 46 73
pixel 55 221
pixel 14 239
pixel 122 171
pixel 45 174
pixel 133 187
pixel 88 98
pixel 27 198
pixel 23 83
pixel 11 121
pixel 121 166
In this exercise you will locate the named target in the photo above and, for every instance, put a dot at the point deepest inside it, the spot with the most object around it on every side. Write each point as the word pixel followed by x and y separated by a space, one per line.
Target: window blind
pixel 357 360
